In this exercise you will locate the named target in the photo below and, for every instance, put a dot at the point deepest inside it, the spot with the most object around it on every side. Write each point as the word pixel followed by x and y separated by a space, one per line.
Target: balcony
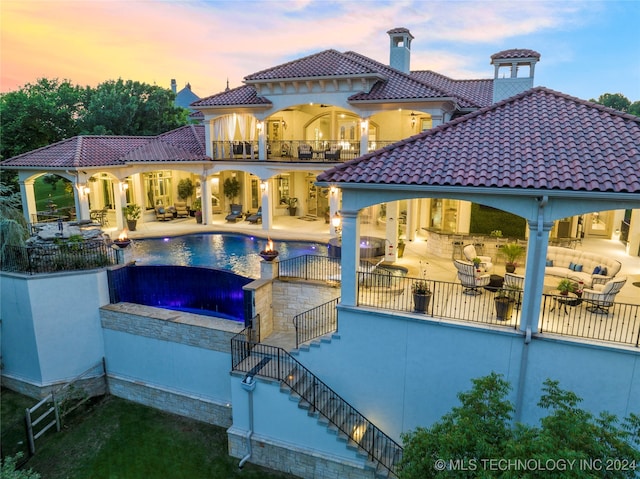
pixel 307 151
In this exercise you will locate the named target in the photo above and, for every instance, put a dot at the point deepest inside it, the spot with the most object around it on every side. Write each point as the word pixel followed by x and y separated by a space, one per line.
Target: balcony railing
pixel 316 322
pixel 289 150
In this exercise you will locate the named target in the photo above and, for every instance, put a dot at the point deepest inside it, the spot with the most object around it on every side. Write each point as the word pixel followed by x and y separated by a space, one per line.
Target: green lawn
pixel 118 439
pixel 59 196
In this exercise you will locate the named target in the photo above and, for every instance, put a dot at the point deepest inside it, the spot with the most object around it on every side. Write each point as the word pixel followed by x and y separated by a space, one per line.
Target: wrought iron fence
pixel 602 321
pixel 275 363
pixel 310 268
pixel 446 300
pixel 71 256
pixel 316 322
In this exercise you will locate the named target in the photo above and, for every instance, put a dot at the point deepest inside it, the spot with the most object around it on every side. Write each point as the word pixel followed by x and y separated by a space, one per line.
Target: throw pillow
pixel 577 268
pixel 572 266
pixel 161 211
pixel 549 262
pixel 603 271
pixel 596 270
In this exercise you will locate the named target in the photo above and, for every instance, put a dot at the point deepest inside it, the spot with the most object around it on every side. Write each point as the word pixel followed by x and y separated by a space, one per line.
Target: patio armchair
pixel 162 214
pixel 470 253
pixel 333 154
pixel 305 152
pixel 471 279
pixel 602 295
pixel 256 217
pixel 514 281
pixel 182 210
pixel 235 214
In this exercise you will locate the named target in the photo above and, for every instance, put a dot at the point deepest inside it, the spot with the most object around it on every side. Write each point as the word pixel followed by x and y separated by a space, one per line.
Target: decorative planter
pixel 504 308
pixel 268 255
pixel 510 268
pixel 198 216
pixel 401 249
pixel 421 302
pixel 131 224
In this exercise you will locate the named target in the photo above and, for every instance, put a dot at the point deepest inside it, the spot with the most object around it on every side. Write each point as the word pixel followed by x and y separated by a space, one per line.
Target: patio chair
pixel 470 252
pixel 256 217
pixel 471 280
pixel 162 214
pixel 235 214
pixel 333 154
pixel 181 208
pixel 514 281
pixel 305 152
pixel 602 295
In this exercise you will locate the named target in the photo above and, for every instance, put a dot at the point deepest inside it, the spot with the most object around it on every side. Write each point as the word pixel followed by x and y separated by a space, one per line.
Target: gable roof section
pixel 477 93
pixel 244 95
pixel 182 144
pixel 540 139
pixel 329 63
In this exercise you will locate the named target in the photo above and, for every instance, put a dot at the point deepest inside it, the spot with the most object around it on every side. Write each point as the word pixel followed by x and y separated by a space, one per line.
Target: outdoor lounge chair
pixel 236 213
pixel 305 152
pixel 182 210
pixel 470 253
pixel 162 213
pixel 333 154
pixel 256 217
pixel 602 295
pixel 470 278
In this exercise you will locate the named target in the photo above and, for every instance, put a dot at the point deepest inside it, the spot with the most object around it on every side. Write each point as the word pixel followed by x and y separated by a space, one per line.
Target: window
pixel 158 188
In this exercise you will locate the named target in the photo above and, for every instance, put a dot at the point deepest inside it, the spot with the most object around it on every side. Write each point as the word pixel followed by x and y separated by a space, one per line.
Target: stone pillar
pixel 269 269
pixel 334 207
pixel 633 239
pixel 266 201
pixel 350 257
pixel 205 196
pixel 28 197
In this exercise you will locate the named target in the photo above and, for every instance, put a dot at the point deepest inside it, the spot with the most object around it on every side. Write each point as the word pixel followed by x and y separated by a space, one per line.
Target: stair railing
pixel 276 363
pixel 316 322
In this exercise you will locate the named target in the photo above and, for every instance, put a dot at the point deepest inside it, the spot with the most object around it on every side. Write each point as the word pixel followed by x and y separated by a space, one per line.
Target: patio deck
pixel 292 228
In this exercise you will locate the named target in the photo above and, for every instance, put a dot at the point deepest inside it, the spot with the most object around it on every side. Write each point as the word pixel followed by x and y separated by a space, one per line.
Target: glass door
pixel 598 224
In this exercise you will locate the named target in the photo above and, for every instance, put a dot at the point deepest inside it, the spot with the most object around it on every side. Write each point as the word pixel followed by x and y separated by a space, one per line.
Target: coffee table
pixel 569 299
pixel 495 283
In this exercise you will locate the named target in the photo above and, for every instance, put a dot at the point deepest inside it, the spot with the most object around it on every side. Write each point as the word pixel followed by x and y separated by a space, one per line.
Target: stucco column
pixel 262 146
pixel 120 200
pixel 391 232
pixel 334 207
pixel 364 136
pixel 633 243
pixel 534 274
pixel 350 257
pixel 266 191
pixel 205 195
pixel 208 144
pixel 412 220
pixel 28 197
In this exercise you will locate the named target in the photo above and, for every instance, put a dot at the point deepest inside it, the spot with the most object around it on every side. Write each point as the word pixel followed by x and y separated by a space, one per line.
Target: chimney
pixel 400 49
pixel 513 72
pixel 174 86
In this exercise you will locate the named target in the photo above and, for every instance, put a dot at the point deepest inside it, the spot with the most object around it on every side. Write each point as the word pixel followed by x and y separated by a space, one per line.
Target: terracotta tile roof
pixel 478 93
pixel 183 144
pixel 515 53
pixel 540 139
pixel 329 63
pixel 244 95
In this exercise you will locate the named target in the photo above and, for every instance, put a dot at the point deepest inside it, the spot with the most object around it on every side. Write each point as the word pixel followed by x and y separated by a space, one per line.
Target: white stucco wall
pixel 51 325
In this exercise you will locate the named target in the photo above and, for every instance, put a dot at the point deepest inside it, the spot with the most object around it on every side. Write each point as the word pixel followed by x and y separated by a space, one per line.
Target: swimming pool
pixel 233 252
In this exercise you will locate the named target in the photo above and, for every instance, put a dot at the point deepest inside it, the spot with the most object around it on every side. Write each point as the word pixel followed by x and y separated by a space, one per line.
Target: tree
pixel 38 114
pixel 130 108
pixel 472 439
pixel 619 102
pixel 13 227
pixel 9 470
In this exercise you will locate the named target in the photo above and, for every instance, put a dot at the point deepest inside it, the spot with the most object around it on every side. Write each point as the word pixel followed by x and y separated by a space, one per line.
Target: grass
pixel 59 196
pixel 118 439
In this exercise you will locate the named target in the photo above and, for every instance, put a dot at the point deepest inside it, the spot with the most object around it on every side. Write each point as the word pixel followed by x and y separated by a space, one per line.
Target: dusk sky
pixel 587 47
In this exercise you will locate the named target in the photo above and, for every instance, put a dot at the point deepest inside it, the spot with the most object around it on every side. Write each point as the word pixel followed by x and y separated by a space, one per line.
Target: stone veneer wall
pixel 291 298
pixel 291 459
pixel 171 327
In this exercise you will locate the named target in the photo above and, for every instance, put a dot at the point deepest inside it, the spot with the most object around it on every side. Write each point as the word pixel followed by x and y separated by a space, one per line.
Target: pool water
pixel 233 252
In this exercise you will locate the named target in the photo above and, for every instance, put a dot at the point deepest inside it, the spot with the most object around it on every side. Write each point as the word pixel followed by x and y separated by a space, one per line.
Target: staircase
pixel 319 400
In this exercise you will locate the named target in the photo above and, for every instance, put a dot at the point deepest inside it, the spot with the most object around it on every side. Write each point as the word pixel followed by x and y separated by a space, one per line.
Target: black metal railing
pixel 310 268
pixel 293 150
pixel 447 300
pixel 63 257
pixel 597 320
pixel 275 363
pixel 316 322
